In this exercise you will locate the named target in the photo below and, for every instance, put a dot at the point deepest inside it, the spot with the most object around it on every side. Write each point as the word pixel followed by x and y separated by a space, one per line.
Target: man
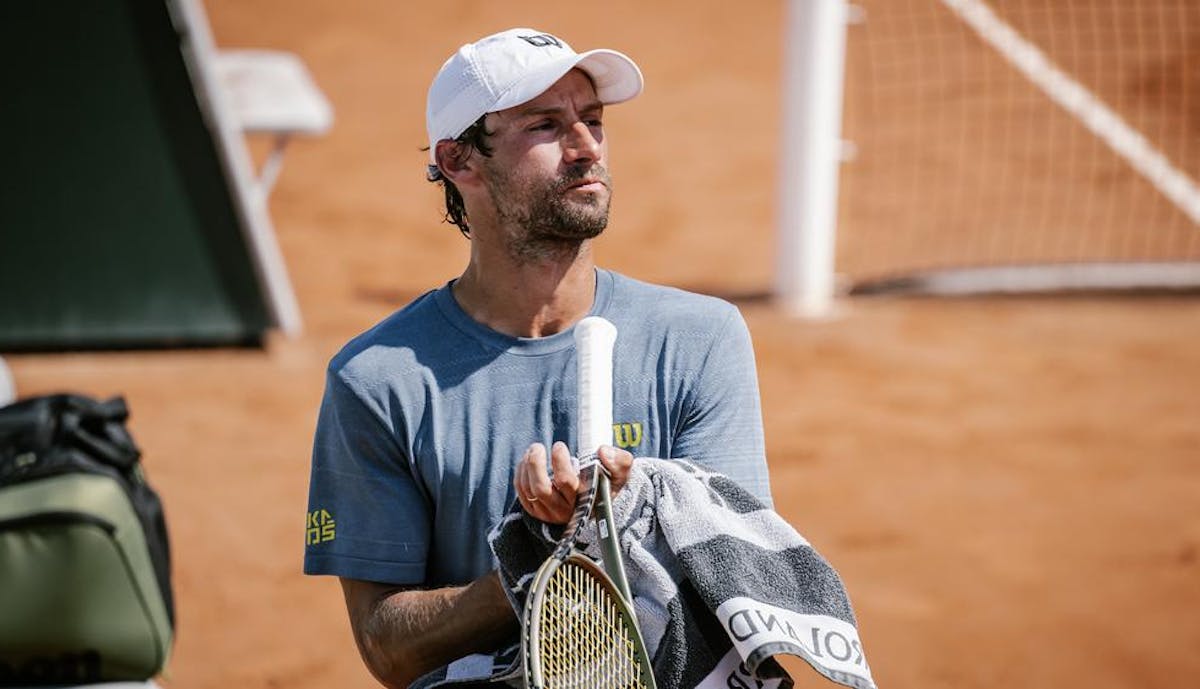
pixel 423 440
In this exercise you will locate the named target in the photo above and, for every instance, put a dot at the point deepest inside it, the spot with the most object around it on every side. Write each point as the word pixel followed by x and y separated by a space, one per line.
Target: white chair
pixel 270 92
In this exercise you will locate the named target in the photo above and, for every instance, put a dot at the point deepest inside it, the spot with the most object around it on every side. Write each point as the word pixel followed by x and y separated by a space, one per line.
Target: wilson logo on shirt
pixel 320 527
pixel 627 435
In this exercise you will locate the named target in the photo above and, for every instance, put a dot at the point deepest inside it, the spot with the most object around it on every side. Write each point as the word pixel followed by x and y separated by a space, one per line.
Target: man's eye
pixel 541 126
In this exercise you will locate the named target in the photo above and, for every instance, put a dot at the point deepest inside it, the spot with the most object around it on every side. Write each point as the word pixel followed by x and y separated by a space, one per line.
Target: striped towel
pixel 721 585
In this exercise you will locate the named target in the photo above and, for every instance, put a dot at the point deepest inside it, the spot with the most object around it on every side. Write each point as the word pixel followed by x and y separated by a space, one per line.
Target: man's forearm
pixel 402 634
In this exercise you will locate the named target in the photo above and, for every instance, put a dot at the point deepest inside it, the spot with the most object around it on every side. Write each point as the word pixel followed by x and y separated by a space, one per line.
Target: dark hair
pixel 473 139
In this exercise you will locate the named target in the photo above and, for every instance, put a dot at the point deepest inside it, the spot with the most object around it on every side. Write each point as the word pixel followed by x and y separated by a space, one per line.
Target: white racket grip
pixel 594 340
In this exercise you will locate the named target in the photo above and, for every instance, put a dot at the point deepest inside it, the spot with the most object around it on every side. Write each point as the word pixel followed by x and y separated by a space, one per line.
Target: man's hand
pixel 552 498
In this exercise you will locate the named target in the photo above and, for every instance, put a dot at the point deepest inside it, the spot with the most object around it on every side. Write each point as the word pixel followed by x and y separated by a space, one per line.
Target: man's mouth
pixel 587 184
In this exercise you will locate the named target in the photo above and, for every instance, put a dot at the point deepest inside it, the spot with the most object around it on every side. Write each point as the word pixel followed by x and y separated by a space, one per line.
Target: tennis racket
pixel 578 626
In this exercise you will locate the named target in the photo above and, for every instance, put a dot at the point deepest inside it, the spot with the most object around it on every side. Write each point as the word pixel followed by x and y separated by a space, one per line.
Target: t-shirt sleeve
pixel 722 426
pixel 367 516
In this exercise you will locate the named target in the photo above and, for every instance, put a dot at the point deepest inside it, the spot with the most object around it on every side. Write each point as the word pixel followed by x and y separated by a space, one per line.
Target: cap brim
pixel 615 77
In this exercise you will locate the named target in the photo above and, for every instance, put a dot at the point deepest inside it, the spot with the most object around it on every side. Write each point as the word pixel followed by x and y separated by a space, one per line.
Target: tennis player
pixel 437 418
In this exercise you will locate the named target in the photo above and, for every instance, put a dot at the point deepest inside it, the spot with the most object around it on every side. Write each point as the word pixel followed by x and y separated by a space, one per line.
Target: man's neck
pixel 528 298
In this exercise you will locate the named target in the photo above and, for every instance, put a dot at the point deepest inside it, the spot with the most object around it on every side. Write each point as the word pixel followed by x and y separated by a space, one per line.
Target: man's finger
pixel 528 468
pixel 617 463
pixel 539 475
pixel 566 478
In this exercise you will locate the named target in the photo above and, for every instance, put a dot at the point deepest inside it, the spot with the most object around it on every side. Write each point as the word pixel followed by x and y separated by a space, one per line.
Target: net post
pixel 814 67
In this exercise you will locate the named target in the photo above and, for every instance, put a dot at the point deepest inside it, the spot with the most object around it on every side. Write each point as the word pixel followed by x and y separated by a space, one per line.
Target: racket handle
pixel 595 338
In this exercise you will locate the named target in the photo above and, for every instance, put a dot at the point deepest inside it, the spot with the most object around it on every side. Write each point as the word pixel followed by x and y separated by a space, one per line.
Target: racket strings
pixel 586 643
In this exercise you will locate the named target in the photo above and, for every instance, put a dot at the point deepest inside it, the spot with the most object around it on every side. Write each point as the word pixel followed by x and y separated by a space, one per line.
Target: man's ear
pixel 455 162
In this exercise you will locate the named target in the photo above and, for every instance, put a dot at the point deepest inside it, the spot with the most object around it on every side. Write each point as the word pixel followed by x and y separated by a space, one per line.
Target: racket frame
pixel 610 548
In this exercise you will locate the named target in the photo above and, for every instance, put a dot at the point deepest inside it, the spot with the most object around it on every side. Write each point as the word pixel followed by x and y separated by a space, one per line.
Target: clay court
pixel 1010 487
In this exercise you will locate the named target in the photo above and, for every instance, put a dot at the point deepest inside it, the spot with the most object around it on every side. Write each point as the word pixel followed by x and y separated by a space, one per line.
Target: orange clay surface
pixel 1009 488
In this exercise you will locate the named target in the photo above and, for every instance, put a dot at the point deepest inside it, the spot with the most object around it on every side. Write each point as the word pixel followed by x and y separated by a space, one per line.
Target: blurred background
pixel 1007 479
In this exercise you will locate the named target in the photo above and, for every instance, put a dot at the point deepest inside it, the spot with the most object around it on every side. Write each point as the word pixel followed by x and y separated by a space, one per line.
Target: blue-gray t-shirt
pixel 426 415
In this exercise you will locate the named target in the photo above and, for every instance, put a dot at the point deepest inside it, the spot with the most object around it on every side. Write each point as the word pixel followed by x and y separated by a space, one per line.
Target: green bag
pixel 85 590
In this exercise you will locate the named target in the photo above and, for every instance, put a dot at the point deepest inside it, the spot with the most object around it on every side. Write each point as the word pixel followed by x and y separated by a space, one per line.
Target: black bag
pixel 85 587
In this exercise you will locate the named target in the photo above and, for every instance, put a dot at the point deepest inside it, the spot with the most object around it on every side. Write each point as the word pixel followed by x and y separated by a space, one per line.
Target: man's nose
pixel 580 145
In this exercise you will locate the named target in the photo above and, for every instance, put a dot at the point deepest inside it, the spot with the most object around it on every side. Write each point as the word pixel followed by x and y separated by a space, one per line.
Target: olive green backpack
pixel 85 590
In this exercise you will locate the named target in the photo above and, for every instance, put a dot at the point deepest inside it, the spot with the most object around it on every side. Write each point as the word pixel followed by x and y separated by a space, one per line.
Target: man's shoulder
pixel 395 339
pixel 670 305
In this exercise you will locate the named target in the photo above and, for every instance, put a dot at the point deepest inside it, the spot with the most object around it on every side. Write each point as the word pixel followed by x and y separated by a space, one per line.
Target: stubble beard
pixel 544 220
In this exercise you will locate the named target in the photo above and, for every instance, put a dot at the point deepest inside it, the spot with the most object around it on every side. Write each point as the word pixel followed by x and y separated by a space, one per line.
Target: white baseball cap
pixel 514 67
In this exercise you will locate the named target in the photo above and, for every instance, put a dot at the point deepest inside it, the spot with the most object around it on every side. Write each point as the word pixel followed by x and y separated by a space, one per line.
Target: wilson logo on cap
pixel 544 40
